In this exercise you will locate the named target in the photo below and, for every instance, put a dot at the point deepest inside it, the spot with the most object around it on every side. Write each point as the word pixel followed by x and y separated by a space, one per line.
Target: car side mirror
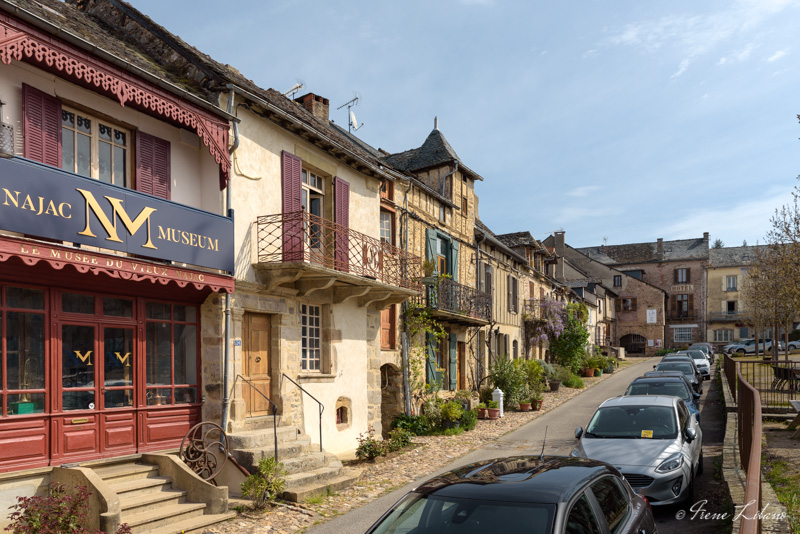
pixel 696 395
pixel 691 434
pixel 655 366
pixel 578 432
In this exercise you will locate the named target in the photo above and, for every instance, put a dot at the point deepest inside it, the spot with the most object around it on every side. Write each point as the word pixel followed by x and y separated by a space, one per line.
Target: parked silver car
pixel 652 440
pixel 700 360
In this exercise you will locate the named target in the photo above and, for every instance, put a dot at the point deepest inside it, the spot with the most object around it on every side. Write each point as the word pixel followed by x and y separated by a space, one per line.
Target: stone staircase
pixel 150 503
pixel 311 472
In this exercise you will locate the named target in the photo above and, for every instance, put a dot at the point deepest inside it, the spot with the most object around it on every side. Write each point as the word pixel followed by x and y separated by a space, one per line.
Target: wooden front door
pixel 256 360
pixel 462 366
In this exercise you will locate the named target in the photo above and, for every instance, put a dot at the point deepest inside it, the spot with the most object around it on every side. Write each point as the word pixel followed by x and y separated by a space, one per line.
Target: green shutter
pixel 453 362
pixel 454 245
pixel 430 342
pixel 431 242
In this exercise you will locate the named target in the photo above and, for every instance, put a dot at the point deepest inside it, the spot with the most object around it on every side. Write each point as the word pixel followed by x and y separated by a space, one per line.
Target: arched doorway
pixel 391 396
pixel 633 343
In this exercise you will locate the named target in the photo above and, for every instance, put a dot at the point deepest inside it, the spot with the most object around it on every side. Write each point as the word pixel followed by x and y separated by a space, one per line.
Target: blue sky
pixel 623 120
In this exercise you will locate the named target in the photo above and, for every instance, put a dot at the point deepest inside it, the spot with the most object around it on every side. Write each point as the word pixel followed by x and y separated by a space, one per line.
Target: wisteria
pixel 548 322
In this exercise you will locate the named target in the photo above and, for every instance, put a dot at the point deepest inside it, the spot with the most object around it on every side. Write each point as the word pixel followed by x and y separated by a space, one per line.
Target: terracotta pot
pixel 481 413
pixel 524 406
pixel 494 413
pixel 588 372
pixel 554 385
pixel 537 405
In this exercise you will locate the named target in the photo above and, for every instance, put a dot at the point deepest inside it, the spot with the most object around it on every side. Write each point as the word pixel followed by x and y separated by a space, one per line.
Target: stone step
pixel 315 476
pixel 116 473
pixel 141 486
pixel 149 501
pixel 249 458
pixel 259 423
pixel 254 439
pixel 322 486
pixel 194 524
pixel 306 462
pixel 164 516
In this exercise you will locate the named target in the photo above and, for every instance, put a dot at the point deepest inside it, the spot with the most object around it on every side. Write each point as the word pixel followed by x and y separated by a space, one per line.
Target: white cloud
pixel 777 55
pixel 681 68
pixel 737 57
pixel 589 53
pixel 584 191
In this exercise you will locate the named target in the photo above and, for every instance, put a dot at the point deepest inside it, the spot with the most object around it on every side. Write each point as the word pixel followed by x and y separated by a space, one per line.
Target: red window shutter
pixel 41 126
pixel 292 185
pixel 388 332
pixel 153 166
pixel 342 218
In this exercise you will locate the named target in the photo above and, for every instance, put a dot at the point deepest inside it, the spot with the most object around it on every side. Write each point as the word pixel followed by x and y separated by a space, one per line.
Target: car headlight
pixel 670 464
pixel 575 453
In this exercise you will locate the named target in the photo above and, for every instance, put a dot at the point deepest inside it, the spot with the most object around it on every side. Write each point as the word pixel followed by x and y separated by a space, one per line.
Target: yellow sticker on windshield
pixel 647 433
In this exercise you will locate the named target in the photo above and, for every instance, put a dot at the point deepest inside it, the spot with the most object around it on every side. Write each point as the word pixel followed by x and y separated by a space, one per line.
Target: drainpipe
pixel 227 340
pixel 404 341
pixel 478 287
pixel 446 176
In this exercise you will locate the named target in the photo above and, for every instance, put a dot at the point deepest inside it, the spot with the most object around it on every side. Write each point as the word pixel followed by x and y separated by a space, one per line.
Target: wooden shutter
pixel 675 276
pixel 342 218
pixel 690 311
pixel 388 319
pixel 454 246
pixel 153 165
pixel 508 292
pixel 481 276
pixel 431 245
pixel 515 294
pixel 633 304
pixel 688 275
pixel 430 368
pixel 41 126
pixel 292 206
pixel 618 305
pixel 453 362
pixel 489 281
pixel 674 304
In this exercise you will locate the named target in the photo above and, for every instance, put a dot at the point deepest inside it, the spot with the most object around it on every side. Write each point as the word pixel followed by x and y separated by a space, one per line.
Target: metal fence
pixel 777 382
pixel 447 295
pixel 749 425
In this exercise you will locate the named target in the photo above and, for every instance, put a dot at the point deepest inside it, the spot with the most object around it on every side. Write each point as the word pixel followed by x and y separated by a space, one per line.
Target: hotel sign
pixel 43 201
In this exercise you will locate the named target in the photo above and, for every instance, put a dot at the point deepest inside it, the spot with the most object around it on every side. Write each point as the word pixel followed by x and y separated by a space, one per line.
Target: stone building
pixel 639 316
pixel 724 274
pixel 673 266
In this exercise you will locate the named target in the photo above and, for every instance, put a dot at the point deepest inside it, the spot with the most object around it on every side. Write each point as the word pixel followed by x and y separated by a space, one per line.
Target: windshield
pixel 433 514
pixel 633 422
pixel 672 389
pixel 685 368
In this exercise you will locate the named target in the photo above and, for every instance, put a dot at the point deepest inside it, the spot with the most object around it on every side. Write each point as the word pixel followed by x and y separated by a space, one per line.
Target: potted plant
pixel 481 410
pixel 494 410
pixel 525 405
pixel 536 400
pixel 451 413
pixel 611 363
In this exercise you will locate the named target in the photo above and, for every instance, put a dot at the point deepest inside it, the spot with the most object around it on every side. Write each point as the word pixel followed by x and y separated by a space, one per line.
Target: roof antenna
pixel 352 123
pixel 293 91
pixel 541 456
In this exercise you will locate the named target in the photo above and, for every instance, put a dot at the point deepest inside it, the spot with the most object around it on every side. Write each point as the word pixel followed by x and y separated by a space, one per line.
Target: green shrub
pixel 452 411
pixel 369 448
pixel 266 484
pixel 549 370
pixel 398 438
pixel 416 424
pixel 493 405
pixel 485 395
pixel 432 410
pixel 665 351
pixel 468 419
pixel 463 395
pixel 573 381
pixel 512 379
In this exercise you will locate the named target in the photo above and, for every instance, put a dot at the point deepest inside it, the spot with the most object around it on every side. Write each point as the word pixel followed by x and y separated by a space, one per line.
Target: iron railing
pixel 749 425
pixel 321 406
pixel 302 237
pixel 776 381
pixel 446 295
pixel 533 307
pixel 274 410
pixel 737 316
pixel 729 365
pixel 682 315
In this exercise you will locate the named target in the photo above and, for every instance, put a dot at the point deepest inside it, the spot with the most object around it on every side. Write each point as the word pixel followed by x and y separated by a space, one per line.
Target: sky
pixel 617 121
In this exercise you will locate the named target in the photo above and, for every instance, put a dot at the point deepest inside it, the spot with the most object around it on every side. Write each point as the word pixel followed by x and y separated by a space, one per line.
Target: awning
pixel 120 267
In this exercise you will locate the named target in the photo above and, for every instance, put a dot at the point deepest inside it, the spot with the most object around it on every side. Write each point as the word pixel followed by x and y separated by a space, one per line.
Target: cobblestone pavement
pixel 429 454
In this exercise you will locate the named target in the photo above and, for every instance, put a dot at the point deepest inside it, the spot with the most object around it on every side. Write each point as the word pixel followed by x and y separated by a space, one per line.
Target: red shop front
pixel 100 353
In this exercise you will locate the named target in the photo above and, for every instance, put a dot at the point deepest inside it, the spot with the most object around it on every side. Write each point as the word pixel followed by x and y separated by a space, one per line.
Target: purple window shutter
pixel 291 180
pixel 342 218
pixel 153 166
pixel 41 126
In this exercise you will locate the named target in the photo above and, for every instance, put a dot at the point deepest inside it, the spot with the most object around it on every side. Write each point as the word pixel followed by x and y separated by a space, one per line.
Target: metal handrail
pixel 749 415
pixel 321 407
pixel 274 411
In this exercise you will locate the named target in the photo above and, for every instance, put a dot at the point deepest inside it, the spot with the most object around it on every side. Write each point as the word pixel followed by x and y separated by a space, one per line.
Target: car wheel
pixel 740 351
pixel 690 491
pixel 700 461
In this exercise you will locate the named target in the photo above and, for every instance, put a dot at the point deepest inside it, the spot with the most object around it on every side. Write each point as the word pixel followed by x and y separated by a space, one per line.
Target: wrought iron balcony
pixel 736 316
pixel 322 245
pixel 457 302
pixel 684 315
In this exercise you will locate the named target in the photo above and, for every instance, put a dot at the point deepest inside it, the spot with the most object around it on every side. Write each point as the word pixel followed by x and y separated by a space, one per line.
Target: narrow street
pixel 560 425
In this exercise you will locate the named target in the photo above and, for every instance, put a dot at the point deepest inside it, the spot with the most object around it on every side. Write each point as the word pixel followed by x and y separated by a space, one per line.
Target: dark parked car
pixel 687 368
pixel 542 495
pixel 667 383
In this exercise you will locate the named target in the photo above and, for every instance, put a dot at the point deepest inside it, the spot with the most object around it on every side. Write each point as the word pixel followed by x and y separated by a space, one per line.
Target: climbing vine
pixel 421 325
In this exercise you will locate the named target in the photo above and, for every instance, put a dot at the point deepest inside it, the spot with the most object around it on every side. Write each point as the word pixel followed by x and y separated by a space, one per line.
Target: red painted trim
pixel 24 43
pixel 119 267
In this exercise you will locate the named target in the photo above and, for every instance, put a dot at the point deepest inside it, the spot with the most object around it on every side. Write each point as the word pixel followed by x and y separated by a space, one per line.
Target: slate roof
pixel 732 256
pixel 433 152
pixel 521 239
pixel 490 236
pixel 678 250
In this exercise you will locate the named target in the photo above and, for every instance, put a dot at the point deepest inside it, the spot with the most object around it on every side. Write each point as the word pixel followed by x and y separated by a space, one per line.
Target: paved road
pixel 560 423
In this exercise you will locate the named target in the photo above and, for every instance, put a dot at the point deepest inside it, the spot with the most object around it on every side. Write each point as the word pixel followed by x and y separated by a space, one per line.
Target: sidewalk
pixel 429 454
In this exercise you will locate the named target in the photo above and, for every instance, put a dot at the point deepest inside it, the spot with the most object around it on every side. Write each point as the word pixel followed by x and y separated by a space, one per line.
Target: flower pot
pixel 537 405
pixel 449 424
pixel 481 413
pixel 494 413
pixel 554 385
pixel 588 372
pixel 609 369
pixel 524 406
pixel 598 372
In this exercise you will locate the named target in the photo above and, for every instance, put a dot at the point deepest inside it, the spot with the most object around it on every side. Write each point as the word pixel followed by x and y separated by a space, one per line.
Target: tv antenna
pixel 605 240
pixel 541 456
pixel 352 123
pixel 293 91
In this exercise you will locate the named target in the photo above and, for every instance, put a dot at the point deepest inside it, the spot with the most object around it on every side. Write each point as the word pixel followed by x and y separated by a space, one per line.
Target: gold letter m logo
pixel 110 225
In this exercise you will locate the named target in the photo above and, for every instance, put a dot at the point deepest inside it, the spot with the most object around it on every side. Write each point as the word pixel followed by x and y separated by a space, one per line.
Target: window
pixel 744 332
pixel 682 335
pixel 442 213
pixel 581 519
pixel 171 354
pixel 312 196
pixel 389 328
pixel 682 276
pixel 464 209
pixel 731 305
pixel 311 350
pixel 94 148
pixel 513 294
pixel 612 502
pixel 441 256
pixel 617 280
pixel 723 335
pixel 515 349
pixel 730 283
pixel 23 363
pixel 682 305
pixel 387 227
pixel 626 304
pixel 387 190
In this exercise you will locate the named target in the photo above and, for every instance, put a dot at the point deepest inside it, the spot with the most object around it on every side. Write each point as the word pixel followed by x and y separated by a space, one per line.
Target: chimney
pixel 559 246
pixel 318 106
pixel 436 123
pixel 705 237
pixel 660 249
